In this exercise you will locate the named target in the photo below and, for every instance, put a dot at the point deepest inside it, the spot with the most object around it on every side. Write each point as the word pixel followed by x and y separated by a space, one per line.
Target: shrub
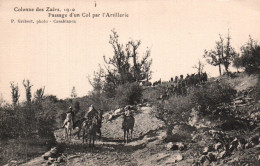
pixel 176 110
pixel 128 94
pixel 249 58
pixel 213 94
pixel 152 94
pixel 24 121
pixel 101 101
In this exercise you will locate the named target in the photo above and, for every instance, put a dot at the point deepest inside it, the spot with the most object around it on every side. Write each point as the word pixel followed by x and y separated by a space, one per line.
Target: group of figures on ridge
pixel 181 86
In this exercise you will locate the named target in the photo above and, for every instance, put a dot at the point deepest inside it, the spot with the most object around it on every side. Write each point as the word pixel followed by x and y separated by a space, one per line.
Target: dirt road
pixel 146 148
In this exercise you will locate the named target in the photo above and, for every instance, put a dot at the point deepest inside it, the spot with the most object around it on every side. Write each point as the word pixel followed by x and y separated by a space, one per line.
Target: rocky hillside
pixel 226 134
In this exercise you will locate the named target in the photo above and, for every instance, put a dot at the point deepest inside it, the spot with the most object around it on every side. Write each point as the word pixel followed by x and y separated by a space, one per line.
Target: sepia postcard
pixel 129 82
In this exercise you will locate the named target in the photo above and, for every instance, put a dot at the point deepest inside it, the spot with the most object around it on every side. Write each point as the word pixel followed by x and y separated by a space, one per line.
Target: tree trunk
pixel 226 68
pixel 219 67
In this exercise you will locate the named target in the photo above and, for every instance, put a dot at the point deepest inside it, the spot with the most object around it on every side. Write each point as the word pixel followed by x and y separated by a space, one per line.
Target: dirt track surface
pixel 144 149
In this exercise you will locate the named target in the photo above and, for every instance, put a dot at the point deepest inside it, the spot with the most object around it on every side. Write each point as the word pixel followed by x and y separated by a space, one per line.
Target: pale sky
pixel 60 56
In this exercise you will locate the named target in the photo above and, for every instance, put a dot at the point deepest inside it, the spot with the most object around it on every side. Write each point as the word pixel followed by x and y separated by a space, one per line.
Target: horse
pixel 99 122
pixel 79 124
pixel 90 127
pixel 128 124
pixel 68 128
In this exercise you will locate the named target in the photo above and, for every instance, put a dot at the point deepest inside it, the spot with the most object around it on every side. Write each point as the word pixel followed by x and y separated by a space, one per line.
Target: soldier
pixel 128 113
pixel 92 112
pixel 70 115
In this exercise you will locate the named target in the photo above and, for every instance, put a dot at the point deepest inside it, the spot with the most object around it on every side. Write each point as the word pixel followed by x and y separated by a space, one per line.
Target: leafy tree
pixel 27 85
pixel 50 98
pixel 38 96
pixel 213 57
pixel 250 57
pixel 73 92
pixel 97 82
pixel 128 94
pixel 76 106
pixel 237 63
pixel 15 93
pixel 222 54
pixel 228 54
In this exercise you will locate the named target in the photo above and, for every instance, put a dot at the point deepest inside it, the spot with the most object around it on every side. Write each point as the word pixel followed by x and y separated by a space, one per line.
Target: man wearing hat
pixel 70 115
pixel 127 113
pixel 92 112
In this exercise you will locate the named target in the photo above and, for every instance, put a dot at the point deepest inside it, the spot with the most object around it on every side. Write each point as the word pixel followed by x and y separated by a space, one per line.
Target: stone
pixel 161 156
pixel 178 157
pixel 118 111
pixel 51 159
pixel 180 145
pixel 175 146
pixel 110 117
pixel 240 146
pixel 207 149
pixel 203 159
pixel 238 101
pixel 217 146
pixel 169 146
pixel 46 155
pixel 173 159
pixel 60 159
pixel 257 147
pixel 211 157
pixel 254 140
pixel 248 145
pixel 222 155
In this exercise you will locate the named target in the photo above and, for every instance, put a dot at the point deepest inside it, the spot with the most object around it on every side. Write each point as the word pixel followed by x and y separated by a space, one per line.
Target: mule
pixel 99 122
pixel 90 127
pixel 79 124
pixel 128 125
pixel 68 130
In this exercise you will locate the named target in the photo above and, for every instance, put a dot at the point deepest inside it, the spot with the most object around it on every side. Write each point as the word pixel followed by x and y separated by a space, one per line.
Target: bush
pixel 152 94
pixel 24 121
pixel 213 94
pixel 176 110
pixel 128 94
pixel 101 101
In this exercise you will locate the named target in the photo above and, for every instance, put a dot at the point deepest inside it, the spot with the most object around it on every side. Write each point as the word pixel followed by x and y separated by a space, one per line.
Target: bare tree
pixel 15 93
pixel 38 96
pixel 214 57
pixel 199 67
pixel 27 85
pixel 125 65
pixel 223 54
pixel 2 101
pixel 140 69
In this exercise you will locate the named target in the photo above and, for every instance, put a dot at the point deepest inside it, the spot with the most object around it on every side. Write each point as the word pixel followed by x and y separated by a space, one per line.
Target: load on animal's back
pixel 92 124
pixel 92 112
